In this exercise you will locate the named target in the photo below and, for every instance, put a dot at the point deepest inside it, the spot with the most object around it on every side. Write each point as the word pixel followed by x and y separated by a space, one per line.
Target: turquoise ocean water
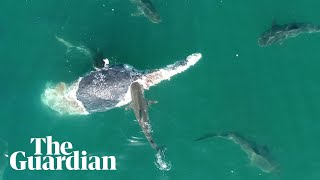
pixel 270 95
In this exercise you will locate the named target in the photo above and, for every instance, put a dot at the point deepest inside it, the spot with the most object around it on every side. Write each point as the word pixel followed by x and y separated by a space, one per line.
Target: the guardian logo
pixel 59 157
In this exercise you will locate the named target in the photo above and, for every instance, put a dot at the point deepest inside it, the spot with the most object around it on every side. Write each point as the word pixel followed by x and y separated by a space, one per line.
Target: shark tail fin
pixel 208 135
pixel 161 148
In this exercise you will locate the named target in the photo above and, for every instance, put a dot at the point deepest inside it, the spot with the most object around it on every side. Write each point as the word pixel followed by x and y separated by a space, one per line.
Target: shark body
pixel 146 8
pixel 140 108
pixel 259 156
pixel 278 33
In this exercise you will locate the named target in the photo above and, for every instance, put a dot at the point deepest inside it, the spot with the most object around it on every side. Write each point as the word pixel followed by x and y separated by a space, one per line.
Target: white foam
pixel 161 163
pixel 63 99
pixel 166 73
pixel 162 74
pixel 106 62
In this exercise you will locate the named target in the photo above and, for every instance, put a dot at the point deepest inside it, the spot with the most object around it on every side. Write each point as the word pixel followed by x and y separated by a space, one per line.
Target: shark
pixel 146 8
pixel 278 33
pixel 70 47
pixel 258 155
pixel 140 108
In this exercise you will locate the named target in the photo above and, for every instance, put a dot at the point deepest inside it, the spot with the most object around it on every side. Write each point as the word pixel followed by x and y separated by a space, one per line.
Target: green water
pixel 270 95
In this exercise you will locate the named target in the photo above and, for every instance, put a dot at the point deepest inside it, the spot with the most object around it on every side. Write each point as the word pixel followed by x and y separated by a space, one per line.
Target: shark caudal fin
pixel 161 148
pixel 208 135
pixel 212 135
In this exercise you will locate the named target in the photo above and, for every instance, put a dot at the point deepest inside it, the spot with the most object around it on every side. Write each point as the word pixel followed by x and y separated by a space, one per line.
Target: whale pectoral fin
pixel 137 13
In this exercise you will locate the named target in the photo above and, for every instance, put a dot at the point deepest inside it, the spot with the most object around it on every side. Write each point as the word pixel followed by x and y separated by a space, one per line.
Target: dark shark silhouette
pixel 140 108
pixel 278 33
pixel 259 155
pixel 146 8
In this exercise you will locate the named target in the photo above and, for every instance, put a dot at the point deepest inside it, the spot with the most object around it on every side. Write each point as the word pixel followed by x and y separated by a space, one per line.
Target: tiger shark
pixel 146 8
pixel 278 33
pixel 140 108
pixel 259 156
